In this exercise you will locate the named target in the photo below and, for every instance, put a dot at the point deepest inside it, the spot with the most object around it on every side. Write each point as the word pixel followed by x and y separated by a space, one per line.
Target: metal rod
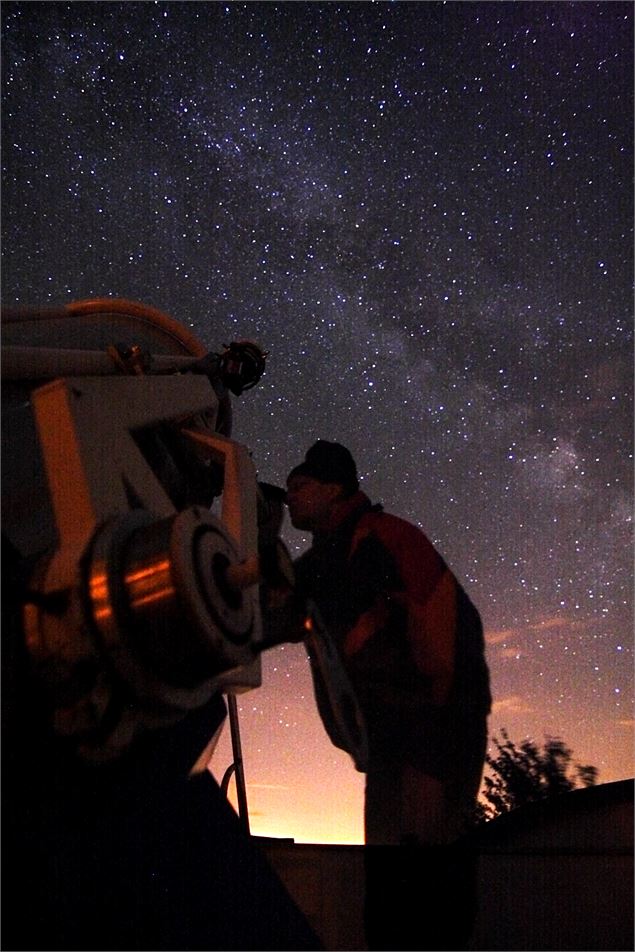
pixel 226 778
pixel 33 362
pixel 241 791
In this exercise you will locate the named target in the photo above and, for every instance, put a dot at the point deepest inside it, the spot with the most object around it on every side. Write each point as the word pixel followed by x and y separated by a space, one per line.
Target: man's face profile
pixel 310 502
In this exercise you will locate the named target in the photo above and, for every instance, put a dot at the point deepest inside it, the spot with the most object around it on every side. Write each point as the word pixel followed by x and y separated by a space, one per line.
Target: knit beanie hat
pixel 329 463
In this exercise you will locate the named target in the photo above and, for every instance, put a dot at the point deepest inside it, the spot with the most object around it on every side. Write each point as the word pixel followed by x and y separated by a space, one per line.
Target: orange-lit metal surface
pixel 153 583
pixel 100 596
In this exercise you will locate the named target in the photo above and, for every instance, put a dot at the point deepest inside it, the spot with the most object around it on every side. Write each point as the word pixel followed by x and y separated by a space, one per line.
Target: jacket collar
pixel 347 510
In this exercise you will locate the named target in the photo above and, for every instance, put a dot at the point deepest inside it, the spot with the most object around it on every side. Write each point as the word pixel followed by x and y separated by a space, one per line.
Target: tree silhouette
pixel 522 773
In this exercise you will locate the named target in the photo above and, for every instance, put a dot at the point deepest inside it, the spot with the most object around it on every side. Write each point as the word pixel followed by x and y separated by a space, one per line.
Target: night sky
pixel 424 212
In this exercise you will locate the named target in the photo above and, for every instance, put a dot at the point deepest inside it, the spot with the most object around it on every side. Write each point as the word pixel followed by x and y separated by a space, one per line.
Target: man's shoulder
pixel 388 525
pixel 395 533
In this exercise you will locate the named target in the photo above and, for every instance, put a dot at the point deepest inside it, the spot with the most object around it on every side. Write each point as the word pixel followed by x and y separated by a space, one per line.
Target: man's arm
pixel 407 574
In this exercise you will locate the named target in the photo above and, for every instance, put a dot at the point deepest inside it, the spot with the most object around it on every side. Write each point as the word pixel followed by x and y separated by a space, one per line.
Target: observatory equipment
pixel 130 609
pixel 131 614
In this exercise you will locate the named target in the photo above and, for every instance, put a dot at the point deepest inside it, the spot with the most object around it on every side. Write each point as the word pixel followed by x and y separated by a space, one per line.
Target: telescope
pixel 130 613
pixel 114 457
pixel 137 542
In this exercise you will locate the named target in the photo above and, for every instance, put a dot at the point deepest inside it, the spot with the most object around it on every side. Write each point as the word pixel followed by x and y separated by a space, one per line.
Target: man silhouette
pixel 411 642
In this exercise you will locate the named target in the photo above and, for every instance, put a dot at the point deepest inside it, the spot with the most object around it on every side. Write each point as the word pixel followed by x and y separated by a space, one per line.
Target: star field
pixel 424 212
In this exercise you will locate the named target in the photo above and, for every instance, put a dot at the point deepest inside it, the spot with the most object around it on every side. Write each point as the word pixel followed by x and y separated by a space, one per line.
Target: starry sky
pixel 424 212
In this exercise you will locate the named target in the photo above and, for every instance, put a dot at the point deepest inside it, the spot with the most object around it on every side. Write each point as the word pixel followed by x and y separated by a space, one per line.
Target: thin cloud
pixel 548 623
pixel 514 704
pixel 504 634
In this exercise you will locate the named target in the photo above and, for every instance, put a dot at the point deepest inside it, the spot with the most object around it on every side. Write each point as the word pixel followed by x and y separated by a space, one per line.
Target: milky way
pixel 424 212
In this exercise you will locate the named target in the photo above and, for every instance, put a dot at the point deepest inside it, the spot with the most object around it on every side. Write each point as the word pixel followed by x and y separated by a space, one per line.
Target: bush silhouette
pixel 523 773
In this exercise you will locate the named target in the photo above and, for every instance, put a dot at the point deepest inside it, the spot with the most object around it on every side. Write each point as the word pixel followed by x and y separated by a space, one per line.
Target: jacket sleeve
pixel 414 582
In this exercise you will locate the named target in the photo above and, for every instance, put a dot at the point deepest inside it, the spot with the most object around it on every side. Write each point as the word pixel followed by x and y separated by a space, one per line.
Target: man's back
pixel 402 623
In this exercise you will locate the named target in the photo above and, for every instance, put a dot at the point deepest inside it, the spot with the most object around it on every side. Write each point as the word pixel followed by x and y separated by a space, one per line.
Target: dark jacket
pixel 409 637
